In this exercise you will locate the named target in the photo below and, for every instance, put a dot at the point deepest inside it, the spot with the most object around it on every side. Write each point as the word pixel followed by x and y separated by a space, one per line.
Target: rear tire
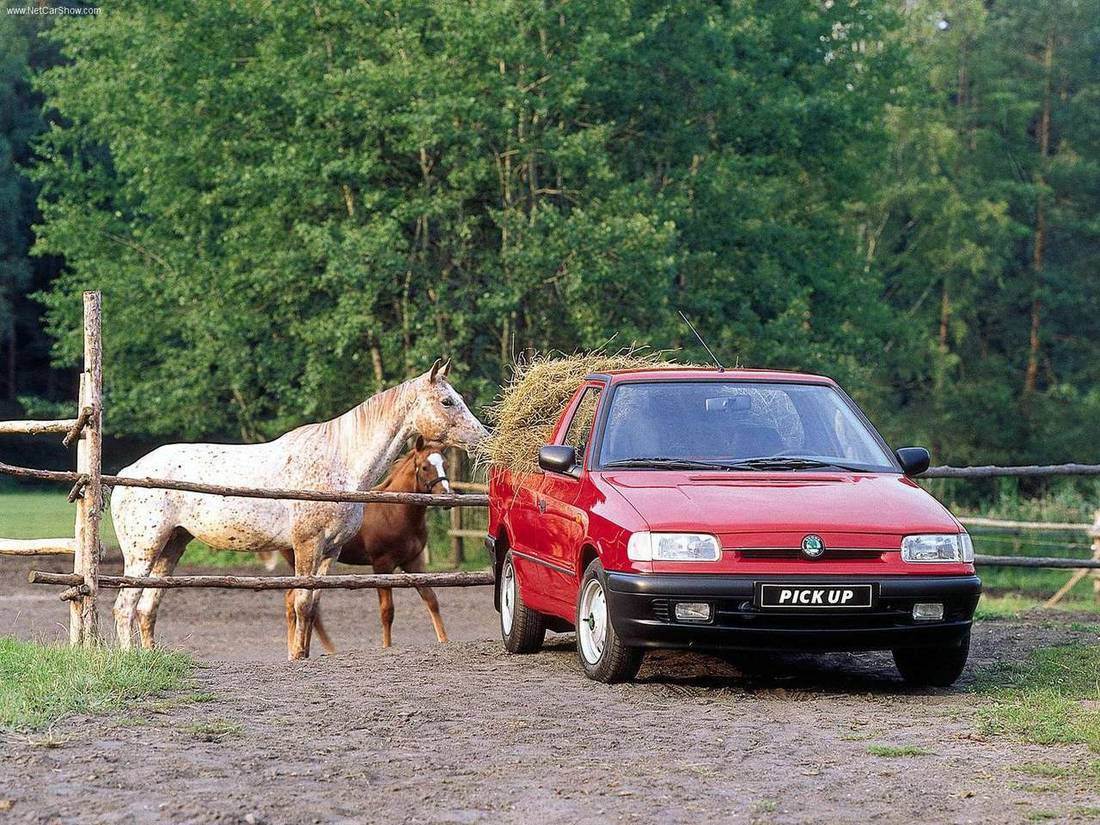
pixel 603 655
pixel 521 628
pixel 933 666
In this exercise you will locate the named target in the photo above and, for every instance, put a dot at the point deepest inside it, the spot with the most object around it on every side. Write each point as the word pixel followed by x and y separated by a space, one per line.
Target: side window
pixel 580 427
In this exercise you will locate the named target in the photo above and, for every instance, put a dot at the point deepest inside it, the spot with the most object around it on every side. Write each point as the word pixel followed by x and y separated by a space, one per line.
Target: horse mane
pixel 343 432
pixel 397 467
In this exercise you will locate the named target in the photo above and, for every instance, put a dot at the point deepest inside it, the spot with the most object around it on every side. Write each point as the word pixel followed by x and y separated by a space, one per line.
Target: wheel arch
pixel 501 545
pixel 588 554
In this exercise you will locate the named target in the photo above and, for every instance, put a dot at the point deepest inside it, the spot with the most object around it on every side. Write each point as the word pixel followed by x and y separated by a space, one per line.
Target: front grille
pixel 831 554
pixel 661 610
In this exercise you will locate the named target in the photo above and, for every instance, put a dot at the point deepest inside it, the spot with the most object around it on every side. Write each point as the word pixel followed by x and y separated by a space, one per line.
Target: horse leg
pixel 428 595
pixel 432 603
pixel 291 622
pixel 149 603
pixel 140 559
pixel 308 561
pixel 385 610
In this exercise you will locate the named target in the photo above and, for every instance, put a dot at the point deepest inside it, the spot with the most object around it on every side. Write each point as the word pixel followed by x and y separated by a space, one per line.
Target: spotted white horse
pixel 350 452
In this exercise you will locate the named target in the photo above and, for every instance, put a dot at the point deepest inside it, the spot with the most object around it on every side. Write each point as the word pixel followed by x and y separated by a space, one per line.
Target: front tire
pixel 521 628
pixel 603 655
pixel 933 666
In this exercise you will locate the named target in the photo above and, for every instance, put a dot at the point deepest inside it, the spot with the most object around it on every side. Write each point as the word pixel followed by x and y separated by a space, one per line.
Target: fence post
pixel 1095 533
pixel 458 546
pixel 84 615
pixel 76 606
pixel 1063 591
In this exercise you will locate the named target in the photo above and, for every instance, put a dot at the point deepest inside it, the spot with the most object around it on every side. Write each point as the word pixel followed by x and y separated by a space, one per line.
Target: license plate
pixel 813 596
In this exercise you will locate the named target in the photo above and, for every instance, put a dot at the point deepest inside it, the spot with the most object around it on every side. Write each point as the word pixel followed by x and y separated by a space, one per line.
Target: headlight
pixel 646 546
pixel 944 548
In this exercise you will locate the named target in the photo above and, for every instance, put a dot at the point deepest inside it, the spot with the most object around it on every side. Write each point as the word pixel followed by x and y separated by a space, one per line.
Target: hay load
pixel 525 412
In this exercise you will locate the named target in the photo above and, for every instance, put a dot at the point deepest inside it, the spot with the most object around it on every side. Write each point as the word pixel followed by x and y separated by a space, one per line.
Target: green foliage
pixel 1054 697
pixel 286 210
pixel 40 684
pixel 984 226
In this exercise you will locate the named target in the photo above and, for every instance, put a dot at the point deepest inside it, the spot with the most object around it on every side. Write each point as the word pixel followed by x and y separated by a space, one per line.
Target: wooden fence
pixel 83 584
pixel 88 481
pixel 87 491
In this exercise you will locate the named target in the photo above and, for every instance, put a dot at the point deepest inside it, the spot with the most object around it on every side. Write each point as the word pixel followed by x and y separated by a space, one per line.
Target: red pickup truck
pixel 728 509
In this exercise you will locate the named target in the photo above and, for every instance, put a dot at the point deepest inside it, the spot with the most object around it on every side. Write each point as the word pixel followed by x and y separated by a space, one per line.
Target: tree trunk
pixel 11 361
pixel 1040 237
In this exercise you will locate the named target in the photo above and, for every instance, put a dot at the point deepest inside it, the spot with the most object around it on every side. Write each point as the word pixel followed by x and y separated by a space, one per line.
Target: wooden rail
pixel 977 521
pixel 1018 471
pixel 37 547
pixel 353 496
pixel 1038 561
pixel 340 582
pixel 63 425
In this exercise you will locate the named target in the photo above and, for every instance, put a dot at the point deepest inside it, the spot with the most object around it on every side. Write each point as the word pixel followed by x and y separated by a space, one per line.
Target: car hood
pixel 755 502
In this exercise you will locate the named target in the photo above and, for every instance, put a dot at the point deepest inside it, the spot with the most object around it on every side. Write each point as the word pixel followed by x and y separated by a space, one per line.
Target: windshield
pixel 742 425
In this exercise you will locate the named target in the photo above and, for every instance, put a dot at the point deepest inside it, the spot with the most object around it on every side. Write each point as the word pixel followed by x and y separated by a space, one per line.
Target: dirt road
pixel 464 733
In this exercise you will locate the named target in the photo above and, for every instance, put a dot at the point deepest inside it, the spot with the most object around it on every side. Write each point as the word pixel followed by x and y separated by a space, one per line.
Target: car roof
pixel 709 373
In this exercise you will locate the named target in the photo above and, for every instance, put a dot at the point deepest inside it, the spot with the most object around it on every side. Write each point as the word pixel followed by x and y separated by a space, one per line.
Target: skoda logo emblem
pixel 812 546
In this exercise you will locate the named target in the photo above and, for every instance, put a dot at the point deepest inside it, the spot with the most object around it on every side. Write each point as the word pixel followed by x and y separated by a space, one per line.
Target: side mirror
pixel 914 460
pixel 557 458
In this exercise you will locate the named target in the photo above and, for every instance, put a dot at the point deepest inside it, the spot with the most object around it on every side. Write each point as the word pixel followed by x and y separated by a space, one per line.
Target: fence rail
pixel 88 482
pixel 37 547
pixel 1056 563
pixel 1017 471
pixel 348 496
pixel 37 427
pixel 340 582
pixel 978 521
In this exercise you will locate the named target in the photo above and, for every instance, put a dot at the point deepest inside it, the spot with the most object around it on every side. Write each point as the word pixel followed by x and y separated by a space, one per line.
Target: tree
pixel 287 208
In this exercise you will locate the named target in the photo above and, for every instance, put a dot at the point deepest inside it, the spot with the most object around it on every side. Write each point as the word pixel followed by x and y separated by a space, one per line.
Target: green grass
pixel 40 515
pixel 1053 697
pixel 1011 605
pixel 1046 770
pixel 40 684
pixel 897 751
pixel 214 730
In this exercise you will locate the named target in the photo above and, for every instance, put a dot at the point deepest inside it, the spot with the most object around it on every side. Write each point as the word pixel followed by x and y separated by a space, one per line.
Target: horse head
pixel 440 414
pixel 431 472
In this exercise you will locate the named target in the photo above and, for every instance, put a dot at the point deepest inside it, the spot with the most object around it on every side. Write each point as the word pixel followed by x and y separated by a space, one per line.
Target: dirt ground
pixel 465 733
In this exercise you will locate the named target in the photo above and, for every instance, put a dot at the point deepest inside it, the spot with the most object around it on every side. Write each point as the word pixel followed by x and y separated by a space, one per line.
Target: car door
pixel 564 523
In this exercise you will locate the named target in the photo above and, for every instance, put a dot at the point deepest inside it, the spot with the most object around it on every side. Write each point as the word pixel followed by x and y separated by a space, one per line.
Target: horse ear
pixel 419 446
pixel 440 369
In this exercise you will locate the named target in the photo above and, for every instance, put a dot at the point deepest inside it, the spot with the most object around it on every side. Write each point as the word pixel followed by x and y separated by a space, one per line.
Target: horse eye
pixel 448 402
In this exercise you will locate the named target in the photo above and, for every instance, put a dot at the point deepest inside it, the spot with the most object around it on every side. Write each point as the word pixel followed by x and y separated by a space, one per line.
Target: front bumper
pixel 642 611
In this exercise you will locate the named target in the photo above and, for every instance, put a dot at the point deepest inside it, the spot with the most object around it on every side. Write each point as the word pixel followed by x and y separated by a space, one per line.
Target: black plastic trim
pixel 642 607
pixel 543 562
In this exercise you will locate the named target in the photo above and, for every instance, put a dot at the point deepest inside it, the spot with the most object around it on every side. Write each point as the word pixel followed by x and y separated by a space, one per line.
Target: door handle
pixel 542 505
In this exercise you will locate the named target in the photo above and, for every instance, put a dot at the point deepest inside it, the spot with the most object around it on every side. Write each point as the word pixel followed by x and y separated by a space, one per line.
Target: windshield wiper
pixel 669 463
pixel 790 463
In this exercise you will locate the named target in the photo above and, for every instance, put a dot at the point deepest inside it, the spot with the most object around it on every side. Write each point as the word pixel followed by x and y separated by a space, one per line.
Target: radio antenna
pixel 710 352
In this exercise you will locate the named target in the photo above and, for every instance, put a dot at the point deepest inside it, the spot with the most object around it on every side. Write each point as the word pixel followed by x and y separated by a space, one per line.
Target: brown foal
pixel 393 536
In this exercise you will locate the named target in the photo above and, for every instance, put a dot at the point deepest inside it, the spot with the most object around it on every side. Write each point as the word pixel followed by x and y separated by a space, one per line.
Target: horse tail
pixel 319 629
